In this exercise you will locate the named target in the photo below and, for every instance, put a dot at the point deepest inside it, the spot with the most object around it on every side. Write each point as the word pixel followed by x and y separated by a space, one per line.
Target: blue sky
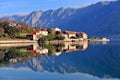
pixel 26 6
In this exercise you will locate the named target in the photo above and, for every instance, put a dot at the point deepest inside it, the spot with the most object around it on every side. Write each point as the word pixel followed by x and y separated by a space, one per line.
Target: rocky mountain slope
pixel 101 18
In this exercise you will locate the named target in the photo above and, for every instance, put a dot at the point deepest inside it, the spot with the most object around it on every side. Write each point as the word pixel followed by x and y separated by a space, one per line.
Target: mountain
pixel 98 19
pixel 32 18
pixel 15 17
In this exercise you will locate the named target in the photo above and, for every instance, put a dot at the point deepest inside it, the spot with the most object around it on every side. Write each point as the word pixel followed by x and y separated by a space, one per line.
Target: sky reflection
pixel 13 74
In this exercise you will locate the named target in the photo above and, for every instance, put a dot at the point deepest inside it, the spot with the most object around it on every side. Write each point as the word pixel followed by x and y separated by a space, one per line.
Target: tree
pixel 57 33
pixel 48 38
pixel 1 30
pixel 49 30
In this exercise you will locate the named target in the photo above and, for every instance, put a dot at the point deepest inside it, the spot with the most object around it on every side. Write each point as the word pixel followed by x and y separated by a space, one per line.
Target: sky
pixel 9 7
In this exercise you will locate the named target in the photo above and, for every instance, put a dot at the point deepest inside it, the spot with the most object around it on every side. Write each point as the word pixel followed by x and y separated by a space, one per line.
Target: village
pixel 47 41
pixel 35 49
pixel 56 34
pixel 12 32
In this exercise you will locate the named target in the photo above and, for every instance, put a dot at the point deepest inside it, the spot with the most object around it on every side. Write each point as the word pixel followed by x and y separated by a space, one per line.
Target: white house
pixel 35 49
pixel 68 35
pixel 82 35
pixel 35 35
pixel 42 32
pixel 56 29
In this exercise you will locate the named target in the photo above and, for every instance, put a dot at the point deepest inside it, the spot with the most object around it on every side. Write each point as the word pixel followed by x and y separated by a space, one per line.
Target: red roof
pixel 34 32
pixel 33 51
pixel 70 32
pixel 82 49
pixel 42 30
pixel 70 50
pixel 81 33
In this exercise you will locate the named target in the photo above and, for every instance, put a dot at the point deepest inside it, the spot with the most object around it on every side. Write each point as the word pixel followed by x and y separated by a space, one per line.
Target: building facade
pixel 35 35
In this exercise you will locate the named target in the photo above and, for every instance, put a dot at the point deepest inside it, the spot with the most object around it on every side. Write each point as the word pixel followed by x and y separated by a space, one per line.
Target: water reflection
pixel 56 48
pixel 14 53
pixel 97 59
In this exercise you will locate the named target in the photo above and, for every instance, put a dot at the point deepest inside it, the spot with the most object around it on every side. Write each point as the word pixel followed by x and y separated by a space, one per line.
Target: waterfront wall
pixel 17 41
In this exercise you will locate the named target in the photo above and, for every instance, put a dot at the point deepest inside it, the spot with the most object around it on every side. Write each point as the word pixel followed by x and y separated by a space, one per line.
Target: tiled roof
pixel 81 33
pixel 70 50
pixel 34 32
pixel 42 30
pixel 70 32
pixel 33 51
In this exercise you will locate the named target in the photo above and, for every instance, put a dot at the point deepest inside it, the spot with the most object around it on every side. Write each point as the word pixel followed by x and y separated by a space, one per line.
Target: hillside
pixel 97 19
pixel 11 29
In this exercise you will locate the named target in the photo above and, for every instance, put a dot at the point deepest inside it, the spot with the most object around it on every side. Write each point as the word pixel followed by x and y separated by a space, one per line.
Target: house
pixel 36 49
pixel 42 32
pixel 105 39
pixel 57 53
pixel 74 46
pixel 39 51
pixel 69 46
pixel 12 24
pixel 35 35
pixel 56 29
pixel 83 46
pixel 32 35
pixel 43 51
pixel 18 25
pixel 82 35
pixel 74 36
pixel 69 35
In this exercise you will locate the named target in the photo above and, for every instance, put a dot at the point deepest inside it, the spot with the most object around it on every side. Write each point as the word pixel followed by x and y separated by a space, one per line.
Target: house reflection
pixel 73 46
pixel 36 49
pixel 33 56
pixel 23 52
pixel 57 49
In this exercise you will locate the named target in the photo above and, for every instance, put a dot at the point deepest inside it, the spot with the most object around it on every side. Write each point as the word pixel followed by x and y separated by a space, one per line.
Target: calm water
pixel 67 61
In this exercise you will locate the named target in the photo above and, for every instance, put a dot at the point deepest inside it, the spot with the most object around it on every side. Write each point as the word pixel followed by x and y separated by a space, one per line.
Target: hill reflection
pixel 97 59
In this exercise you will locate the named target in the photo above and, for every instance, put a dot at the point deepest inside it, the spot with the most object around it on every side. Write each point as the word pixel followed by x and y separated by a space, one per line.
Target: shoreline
pixel 53 41
pixel 16 41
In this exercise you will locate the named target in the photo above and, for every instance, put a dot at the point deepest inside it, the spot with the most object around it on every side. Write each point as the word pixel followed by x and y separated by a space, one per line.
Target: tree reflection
pixel 19 54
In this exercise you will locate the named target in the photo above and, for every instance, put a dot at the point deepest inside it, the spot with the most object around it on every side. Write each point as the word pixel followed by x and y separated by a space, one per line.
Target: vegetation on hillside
pixel 53 35
pixel 12 29
pixel 13 55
